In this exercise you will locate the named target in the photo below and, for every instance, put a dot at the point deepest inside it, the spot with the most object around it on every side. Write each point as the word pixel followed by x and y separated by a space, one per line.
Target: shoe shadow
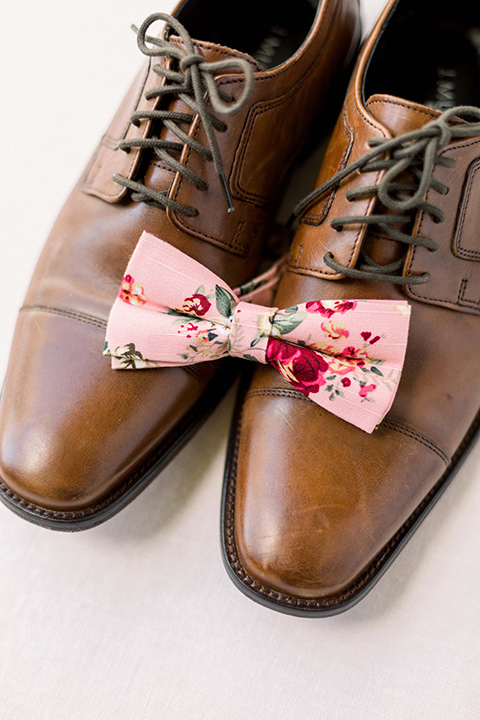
pixel 173 489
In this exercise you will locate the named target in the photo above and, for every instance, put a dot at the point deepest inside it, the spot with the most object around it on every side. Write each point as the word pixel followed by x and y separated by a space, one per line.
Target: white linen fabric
pixel 137 619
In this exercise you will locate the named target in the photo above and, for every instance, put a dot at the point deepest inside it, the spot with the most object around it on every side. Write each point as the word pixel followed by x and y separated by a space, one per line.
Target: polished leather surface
pixel 71 429
pixel 311 500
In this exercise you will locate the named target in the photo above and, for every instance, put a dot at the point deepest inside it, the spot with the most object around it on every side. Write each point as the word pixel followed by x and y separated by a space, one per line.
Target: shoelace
pixel 415 152
pixel 193 79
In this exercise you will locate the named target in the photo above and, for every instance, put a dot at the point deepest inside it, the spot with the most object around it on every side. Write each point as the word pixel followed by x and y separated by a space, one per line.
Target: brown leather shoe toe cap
pixel 71 428
pixel 313 509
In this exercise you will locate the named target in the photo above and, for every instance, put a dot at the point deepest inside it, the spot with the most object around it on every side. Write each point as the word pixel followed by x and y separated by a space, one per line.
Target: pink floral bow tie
pixel 346 355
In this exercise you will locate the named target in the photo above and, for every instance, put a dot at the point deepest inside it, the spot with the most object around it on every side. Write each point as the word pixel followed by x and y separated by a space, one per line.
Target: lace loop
pixel 191 83
pixel 415 153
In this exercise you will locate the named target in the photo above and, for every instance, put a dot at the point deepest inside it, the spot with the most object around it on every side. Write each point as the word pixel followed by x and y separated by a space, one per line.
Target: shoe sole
pixel 335 604
pixel 111 504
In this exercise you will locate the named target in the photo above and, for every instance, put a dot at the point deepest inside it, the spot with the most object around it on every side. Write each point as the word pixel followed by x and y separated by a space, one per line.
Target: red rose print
pixel 346 382
pixel 301 366
pixel 366 335
pixel 351 353
pixel 196 305
pixel 342 307
pixel 366 389
pixel 318 307
pixel 328 307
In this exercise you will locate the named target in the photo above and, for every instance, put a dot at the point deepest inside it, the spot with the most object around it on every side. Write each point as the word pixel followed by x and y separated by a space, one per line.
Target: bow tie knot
pixel 251 328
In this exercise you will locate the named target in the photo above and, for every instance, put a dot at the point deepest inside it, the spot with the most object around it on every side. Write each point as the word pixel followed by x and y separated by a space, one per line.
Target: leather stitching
pixel 419 437
pixel 72 314
pixel 463 252
pixel 387 422
pixel 89 184
pixel 409 266
pixel 317 218
pixel 328 273
pixel 238 250
pixel 462 300
pixel 237 167
pixel 408 107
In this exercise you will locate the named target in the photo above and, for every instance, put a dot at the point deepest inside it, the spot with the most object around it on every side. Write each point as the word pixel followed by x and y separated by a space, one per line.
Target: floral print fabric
pixel 346 355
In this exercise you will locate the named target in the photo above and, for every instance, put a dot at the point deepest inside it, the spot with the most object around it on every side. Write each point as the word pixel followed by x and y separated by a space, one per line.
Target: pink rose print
pixel 131 292
pixel 329 307
pixel 196 305
pixel 366 389
pixel 301 366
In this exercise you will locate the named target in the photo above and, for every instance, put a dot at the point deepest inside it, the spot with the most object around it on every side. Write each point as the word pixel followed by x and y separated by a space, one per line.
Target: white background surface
pixel 136 619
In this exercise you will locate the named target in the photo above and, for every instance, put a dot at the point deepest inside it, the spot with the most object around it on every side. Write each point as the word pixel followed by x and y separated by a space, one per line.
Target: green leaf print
pixel 225 301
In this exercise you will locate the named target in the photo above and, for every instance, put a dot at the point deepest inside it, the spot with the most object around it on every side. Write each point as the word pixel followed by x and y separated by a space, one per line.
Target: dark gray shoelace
pixel 414 152
pixel 192 79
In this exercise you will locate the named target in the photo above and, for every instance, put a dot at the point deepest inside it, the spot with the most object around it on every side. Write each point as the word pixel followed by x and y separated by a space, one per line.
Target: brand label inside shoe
pixel 456 74
pixel 268 48
pixel 445 89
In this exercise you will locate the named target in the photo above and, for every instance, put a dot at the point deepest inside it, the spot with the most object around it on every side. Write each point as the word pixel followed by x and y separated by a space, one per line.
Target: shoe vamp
pixel 316 499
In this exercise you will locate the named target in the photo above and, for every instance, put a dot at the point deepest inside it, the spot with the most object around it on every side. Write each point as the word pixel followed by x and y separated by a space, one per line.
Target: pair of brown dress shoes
pixel 314 508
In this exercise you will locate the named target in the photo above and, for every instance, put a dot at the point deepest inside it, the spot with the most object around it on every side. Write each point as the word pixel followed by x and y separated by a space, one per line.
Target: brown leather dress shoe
pixel 196 155
pixel 314 509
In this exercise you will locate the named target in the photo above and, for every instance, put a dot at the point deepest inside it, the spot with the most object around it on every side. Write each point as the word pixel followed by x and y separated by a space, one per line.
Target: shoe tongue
pixel 399 116
pixel 213 53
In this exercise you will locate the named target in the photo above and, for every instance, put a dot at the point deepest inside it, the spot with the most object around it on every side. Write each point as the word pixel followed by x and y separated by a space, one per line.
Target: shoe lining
pixel 268 30
pixel 429 54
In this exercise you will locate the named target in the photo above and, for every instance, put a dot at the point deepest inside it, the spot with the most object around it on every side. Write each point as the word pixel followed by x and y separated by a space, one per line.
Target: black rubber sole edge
pixel 111 504
pixel 332 605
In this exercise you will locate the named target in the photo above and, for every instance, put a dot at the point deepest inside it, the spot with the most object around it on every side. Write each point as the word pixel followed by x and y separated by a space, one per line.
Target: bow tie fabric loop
pixel 251 328
pixel 345 355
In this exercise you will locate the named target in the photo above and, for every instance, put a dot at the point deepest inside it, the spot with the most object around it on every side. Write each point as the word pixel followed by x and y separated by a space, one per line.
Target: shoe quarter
pixel 263 140
pixel 454 268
